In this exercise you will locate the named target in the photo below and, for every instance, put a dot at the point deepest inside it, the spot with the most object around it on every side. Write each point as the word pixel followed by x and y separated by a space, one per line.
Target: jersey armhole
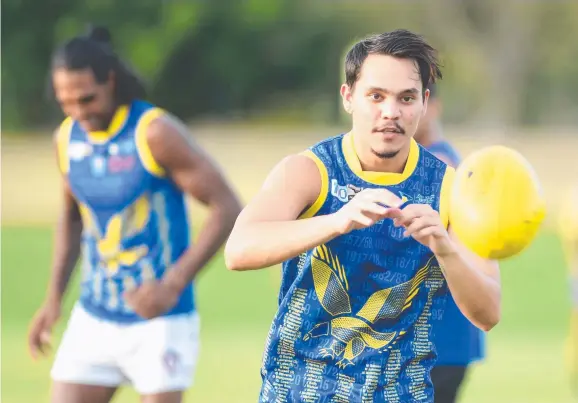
pixel 62 141
pixel 142 145
pixel 316 206
pixel 445 195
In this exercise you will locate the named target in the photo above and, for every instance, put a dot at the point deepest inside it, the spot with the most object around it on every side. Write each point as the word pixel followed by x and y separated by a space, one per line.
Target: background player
pixel 458 342
pixel 568 230
pixel 126 168
pixel 359 277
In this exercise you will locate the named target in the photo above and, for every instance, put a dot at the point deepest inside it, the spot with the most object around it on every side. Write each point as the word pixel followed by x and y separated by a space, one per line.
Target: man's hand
pixel 41 329
pixel 424 224
pixel 366 208
pixel 152 298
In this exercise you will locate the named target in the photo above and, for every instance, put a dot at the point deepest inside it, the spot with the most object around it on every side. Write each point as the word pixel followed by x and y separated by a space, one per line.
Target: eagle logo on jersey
pixel 129 222
pixel 352 334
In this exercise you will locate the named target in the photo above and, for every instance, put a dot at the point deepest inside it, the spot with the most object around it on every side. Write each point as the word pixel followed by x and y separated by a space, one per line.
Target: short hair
pixel 399 43
pixel 94 51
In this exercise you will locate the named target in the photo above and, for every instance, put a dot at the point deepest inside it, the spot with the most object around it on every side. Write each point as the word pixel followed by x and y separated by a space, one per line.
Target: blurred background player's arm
pixel 66 247
pixel 568 231
pixel 67 239
pixel 197 175
pixel 267 232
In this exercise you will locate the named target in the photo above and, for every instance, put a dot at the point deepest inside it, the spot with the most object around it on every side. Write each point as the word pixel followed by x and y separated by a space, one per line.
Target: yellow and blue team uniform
pixel 135 227
pixel 135 223
pixel 458 342
pixel 355 314
pixel 568 231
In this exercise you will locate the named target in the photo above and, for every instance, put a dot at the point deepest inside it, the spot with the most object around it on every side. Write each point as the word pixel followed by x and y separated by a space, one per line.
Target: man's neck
pixel 373 163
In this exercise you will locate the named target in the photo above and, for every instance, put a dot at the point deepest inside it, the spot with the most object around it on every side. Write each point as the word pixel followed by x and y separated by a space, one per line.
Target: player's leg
pixel 161 368
pixel 64 392
pixel 166 397
pixel 84 370
pixel 447 380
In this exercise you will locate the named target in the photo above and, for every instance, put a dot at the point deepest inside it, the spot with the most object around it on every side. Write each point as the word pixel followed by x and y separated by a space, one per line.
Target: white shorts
pixel 154 356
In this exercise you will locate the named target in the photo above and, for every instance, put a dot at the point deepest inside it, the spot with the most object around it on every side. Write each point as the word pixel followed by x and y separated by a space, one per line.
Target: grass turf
pixel 525 361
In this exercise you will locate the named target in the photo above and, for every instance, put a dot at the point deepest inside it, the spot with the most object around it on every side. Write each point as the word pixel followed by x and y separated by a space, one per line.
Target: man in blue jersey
pixel 360 223
pixel 458 342
pixel 127 168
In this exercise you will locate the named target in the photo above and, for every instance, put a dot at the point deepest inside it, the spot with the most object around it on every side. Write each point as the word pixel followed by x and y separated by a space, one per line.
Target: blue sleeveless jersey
pixel 444 148
pixel 457 340
pixel 135 222
pixel 353 322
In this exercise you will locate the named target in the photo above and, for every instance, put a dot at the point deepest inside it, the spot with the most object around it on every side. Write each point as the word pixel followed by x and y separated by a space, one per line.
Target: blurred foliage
pixel 505 62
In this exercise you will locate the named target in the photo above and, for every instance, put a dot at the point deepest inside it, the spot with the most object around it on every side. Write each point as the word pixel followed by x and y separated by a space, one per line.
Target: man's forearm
pixel 66 253
pixel 264 244
pixel 210 239
pixel 477 294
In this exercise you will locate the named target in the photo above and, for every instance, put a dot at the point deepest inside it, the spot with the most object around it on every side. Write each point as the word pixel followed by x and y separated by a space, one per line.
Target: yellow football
pixel 496 203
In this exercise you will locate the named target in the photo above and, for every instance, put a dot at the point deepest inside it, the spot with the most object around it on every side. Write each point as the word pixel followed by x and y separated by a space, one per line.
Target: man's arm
pixel 268 230
pixel 66 253
pixel 67 241
pixel 66 248
pixel 474 283
pixel 197 175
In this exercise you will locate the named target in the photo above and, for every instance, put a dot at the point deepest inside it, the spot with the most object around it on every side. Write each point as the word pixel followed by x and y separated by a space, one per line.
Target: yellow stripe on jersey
pixel 379 178
pixel 62 140
pixel 142 144
pixel 445 192
pixel 116 124
pixel 316 206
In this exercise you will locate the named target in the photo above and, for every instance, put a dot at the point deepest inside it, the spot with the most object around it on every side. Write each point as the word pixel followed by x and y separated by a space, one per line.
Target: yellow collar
pixel 379 178
pixel 116 124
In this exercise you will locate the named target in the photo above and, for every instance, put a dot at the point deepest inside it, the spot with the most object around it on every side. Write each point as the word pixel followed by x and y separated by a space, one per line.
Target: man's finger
pixel 393 213
pixel 413 211
pixel 425 232
pixel 384 197
pixel 33 347
pixel 420 223
pixel 373 208
pixel 45 336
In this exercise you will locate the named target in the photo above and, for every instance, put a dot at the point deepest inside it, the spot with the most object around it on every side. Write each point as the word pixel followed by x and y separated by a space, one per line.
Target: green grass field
pixel 526 350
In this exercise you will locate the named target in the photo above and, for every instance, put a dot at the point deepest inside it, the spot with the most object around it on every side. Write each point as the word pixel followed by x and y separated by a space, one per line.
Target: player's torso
pixel 134 221
pixel 353 318
pixel 457 340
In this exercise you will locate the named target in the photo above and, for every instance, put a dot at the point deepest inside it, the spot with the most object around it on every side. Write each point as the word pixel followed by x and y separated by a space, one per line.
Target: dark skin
pixel 66 253
pixel 188 166
pixel 193 171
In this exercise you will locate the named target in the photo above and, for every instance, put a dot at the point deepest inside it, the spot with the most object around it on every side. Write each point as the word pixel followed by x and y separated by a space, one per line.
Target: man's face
pixel 386 103
pixel 83 99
